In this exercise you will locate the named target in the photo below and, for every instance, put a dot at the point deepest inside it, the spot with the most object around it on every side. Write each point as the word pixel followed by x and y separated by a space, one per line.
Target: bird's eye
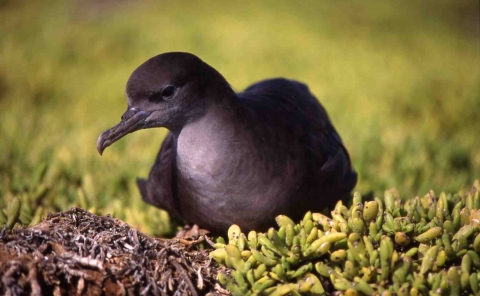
pixel 168 91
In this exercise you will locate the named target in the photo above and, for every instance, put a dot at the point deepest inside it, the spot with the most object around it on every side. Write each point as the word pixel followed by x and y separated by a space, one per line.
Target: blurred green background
pixel 400 80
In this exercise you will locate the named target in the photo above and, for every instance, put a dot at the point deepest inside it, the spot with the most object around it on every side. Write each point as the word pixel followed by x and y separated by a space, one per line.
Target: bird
pixel 233 158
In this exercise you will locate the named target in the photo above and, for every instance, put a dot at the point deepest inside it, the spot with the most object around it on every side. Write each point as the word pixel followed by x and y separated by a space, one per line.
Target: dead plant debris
pixel 76 252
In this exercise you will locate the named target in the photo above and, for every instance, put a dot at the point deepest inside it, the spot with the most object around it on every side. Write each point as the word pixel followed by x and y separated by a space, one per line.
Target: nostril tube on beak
pixel 129 113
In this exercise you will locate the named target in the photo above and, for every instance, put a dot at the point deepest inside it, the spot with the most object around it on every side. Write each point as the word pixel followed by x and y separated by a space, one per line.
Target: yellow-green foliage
pixel 425 246
pixel 398 78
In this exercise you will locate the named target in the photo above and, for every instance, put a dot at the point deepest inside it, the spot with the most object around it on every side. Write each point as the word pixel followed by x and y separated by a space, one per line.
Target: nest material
pixel 76 252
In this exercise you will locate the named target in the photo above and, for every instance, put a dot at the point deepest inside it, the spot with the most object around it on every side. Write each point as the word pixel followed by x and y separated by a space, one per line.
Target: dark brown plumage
pixel 233 158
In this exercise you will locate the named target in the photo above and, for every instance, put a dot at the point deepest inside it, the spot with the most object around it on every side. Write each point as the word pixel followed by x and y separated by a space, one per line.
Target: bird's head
pixel 169 90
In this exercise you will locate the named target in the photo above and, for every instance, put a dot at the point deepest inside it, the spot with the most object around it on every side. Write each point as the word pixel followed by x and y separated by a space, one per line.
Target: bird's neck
pixel 203 143
pixel 218 105
pixel 218 121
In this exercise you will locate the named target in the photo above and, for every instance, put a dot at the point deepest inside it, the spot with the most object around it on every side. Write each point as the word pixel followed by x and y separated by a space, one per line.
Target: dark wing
pixel 337 170
pixel 330 161
pixel 158 189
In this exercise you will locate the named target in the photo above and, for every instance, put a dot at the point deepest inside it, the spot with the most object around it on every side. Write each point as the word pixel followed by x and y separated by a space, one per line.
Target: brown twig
pixel 183 274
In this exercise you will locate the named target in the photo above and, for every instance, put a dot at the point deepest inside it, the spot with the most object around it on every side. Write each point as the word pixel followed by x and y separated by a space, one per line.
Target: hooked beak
pixel 132 120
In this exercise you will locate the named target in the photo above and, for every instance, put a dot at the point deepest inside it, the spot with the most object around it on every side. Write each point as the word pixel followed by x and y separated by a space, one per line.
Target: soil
pixel 78 253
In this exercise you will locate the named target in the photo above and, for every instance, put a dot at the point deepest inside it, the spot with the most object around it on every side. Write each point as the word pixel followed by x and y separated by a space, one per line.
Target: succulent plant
pixel 427 245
